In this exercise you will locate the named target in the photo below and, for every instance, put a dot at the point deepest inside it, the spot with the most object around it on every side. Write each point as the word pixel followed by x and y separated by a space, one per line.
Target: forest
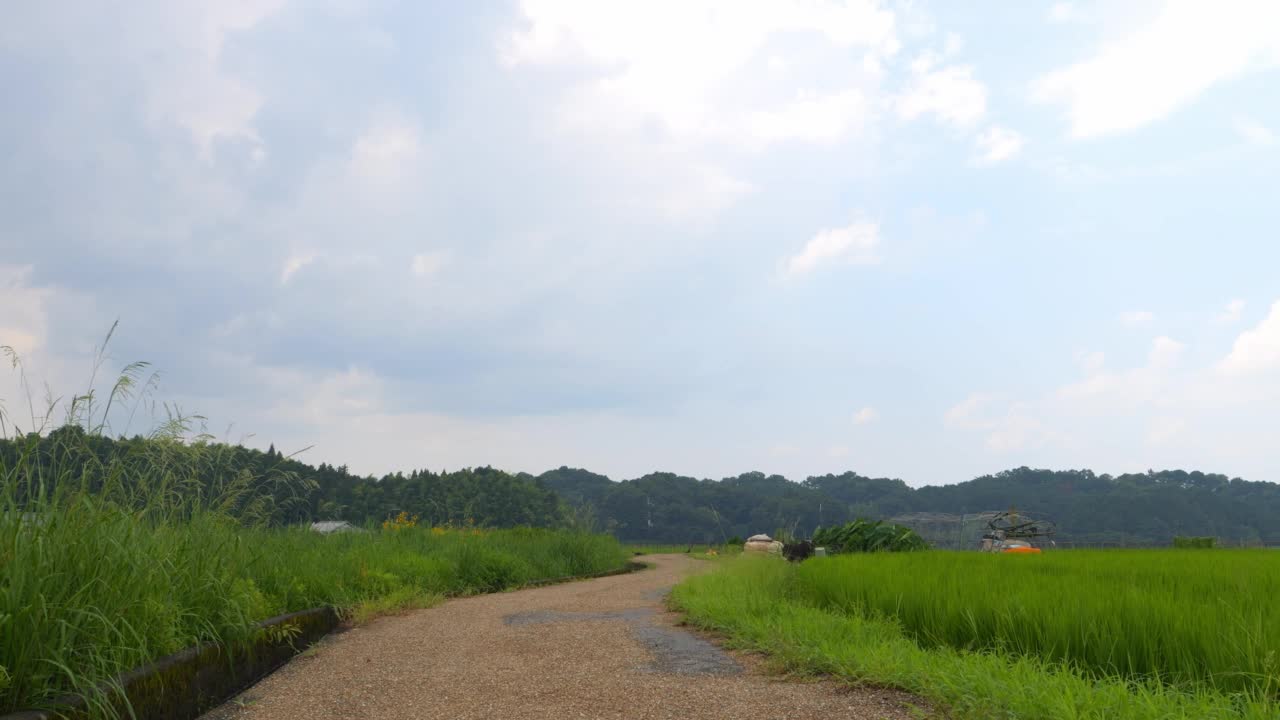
pixel 284 490
pixel 1131 509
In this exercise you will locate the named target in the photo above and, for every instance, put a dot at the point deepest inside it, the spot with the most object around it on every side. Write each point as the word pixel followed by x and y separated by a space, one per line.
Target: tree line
pixel 268 486
pixel 1088 508
pixel 1145 508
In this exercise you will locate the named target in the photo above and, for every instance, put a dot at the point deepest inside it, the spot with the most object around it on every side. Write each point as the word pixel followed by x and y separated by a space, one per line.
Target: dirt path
pixel 601 648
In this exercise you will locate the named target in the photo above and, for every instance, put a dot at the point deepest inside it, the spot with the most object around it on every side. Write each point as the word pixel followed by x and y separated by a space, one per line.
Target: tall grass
pixel 107 565
pixel 88 590
pixel 770 606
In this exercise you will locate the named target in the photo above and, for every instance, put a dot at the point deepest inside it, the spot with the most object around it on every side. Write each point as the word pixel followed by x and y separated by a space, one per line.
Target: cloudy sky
pixel 918 239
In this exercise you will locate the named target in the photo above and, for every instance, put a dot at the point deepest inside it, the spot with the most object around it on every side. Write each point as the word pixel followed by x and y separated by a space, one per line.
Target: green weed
pixel 115 554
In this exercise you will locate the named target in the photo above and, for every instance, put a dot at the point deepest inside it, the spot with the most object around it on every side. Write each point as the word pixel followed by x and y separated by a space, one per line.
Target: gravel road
pixel 602 648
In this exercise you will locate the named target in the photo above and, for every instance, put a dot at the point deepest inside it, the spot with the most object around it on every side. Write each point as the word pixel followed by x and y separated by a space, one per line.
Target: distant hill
pixel 1148 508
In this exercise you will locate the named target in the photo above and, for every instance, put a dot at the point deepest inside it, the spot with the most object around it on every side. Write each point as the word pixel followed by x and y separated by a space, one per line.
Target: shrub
pixel 867 536
pixel 1188 542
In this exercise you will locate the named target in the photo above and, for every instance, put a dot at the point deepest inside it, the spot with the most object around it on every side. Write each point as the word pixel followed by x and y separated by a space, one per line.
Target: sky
pixel 924 240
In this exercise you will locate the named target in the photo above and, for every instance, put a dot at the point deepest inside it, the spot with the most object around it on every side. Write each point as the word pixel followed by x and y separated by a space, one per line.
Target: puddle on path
pixel 674 650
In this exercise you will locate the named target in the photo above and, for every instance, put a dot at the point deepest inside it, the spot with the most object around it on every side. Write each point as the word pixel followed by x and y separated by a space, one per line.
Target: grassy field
pixel 89 591
pixel 115 554
pixel 1131 635
pixel 90 587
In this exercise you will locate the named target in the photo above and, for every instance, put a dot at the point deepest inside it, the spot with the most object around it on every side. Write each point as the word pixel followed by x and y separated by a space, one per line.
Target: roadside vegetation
pixel 114 554
pixel 91 588
pixel 1133 635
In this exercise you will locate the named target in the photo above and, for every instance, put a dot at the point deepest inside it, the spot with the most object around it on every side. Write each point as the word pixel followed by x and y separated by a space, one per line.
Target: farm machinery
pixel 1011 531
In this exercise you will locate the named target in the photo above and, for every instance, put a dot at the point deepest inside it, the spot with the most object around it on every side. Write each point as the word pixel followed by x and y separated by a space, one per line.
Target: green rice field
pixel 1071 634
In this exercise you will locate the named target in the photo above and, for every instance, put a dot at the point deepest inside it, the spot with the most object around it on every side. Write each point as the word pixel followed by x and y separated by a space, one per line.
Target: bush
pixel 867 536
pixel 1187 542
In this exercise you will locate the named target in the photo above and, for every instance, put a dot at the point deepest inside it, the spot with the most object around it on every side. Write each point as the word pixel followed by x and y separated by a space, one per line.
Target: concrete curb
pixel 190 681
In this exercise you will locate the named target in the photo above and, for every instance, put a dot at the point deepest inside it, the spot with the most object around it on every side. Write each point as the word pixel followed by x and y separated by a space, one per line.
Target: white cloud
pixel 952 44
pixel 1254 132
pixel 1162 412
pixel 1091 362
pixel 865 416
pixel 427 264
pixel 296 262
pixel 970 413
pixel 950 93
pixel 1185 49
pixel 997 144
pixel 1233 311
pixel 1134 318
pixel 811 117
pixel 1156 414
pixel 1258 349
pixel 23 322
pixel 681 62
pixel 838 451
pixel 1021 425
pixel 191 88
pixel 296 395
pixel 387 151
pixel 1062 12
pixel 1165 352
pixel 1165 430
pixel 353 392
pixel 1017 430
pixel 855 244
pixel 365 201
pixel 1130 387
pixel 781 450
pixel 168 56
pixel 1009 429
pixel 34 320
pixel 684 190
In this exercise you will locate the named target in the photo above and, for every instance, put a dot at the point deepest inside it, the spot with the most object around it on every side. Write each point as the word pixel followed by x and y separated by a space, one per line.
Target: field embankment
pixel 1129 635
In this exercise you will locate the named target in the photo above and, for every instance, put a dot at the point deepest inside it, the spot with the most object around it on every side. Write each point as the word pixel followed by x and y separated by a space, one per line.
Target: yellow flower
pixel 400 522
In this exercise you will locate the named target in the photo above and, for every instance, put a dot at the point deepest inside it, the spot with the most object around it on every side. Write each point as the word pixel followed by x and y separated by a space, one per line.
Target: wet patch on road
pixel 674 650
pixel 657 594
pixel 682 653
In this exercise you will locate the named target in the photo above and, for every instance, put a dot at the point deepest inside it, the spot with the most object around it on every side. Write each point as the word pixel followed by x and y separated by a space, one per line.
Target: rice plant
pixel 1181 617
pixel 814 619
